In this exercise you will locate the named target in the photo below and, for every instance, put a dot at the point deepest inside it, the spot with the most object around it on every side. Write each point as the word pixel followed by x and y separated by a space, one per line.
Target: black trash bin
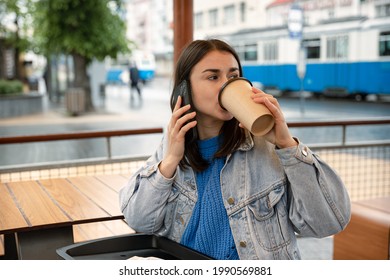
pixel 126 246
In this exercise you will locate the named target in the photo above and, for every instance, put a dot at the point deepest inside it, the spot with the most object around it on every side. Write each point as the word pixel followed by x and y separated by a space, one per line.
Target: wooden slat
pixel 46 212
pixel 99 193
pixel 116 182
pixel 72 201
pixel 84 232
pixel 10 216
pixel 118 227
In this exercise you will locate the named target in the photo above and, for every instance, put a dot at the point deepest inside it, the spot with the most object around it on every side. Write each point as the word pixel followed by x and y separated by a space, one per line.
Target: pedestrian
pixel 134 79
pixel 213 186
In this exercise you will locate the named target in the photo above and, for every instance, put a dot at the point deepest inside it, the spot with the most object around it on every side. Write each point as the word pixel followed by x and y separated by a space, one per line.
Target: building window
pixel 199 20
pixel 242 11
pixel 271 51
pixel 337 47
pixel 213 17
pixel 383 10
pixel 313 48
pixel 228 14
pixel 331 13
pixel 384 43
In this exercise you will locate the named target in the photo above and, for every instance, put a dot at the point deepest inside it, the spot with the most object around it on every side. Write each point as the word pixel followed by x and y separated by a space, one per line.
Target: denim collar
pixel 248 143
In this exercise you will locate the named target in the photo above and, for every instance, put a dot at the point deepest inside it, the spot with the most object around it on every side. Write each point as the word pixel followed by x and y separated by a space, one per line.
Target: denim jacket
pixel 269 194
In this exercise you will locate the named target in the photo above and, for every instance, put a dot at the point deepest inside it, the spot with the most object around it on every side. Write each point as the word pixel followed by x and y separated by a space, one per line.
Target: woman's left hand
pixel 279 135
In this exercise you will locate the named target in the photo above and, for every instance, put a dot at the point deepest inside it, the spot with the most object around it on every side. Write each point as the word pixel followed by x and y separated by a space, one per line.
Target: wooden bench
pixel 43 215
pixel 367 236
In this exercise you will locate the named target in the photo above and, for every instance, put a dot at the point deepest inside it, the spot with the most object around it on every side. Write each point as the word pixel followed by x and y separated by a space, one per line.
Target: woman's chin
pixel 226 116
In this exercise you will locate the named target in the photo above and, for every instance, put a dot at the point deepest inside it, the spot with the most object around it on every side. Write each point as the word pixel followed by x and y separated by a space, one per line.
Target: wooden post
pixel 182 26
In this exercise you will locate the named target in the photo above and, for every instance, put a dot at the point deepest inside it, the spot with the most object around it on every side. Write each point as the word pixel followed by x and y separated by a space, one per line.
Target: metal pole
pixel 301 67
pixel 344 135
pixel 302 98
pixel 108 147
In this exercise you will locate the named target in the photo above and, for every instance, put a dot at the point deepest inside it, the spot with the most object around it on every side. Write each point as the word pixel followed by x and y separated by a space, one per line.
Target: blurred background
pixel 324 47
pixel 65 68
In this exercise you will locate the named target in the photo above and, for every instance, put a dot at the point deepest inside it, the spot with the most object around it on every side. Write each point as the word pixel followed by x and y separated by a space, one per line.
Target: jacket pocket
pixel 269 219
pixel 178 211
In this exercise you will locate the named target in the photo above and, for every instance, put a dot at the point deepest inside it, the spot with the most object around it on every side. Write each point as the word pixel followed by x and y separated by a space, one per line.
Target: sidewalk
pixel 117 107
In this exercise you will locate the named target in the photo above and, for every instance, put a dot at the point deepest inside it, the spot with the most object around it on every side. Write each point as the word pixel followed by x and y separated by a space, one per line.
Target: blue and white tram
pixel 348 56
pixel 118 72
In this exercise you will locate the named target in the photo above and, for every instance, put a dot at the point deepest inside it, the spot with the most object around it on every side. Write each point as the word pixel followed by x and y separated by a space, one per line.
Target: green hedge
pixel 11 87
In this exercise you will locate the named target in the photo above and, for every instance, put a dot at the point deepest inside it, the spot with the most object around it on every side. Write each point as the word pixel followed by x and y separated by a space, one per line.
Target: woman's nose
pixel 223 81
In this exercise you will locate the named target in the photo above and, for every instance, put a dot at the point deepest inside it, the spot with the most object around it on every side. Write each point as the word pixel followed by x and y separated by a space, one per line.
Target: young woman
pixel 214 187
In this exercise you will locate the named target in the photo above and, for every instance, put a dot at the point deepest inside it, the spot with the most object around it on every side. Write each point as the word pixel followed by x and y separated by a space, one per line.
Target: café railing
pixel 364 166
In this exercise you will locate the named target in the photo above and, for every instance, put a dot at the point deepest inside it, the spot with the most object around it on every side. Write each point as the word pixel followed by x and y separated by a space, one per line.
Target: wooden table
pixel 36 217
pixel 367 236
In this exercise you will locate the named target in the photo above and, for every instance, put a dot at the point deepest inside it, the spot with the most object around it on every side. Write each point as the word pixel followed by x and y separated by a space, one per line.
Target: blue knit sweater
pixel 208 230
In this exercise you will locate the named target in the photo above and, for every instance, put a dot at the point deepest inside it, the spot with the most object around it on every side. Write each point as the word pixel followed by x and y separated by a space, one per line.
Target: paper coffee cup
pixel 235 97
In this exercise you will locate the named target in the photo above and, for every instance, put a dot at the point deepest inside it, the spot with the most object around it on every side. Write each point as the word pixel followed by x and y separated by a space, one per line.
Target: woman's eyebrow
pixel 218 70
pixel 211 70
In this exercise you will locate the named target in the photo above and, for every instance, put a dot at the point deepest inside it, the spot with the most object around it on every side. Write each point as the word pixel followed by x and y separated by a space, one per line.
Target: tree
pixel 84 29
pixel 13 31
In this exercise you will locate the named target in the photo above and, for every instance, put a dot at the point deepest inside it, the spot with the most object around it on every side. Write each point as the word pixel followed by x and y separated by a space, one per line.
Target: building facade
pixel 150 27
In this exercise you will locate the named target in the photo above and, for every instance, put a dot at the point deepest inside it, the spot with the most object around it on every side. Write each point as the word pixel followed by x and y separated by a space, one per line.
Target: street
pixel 119 111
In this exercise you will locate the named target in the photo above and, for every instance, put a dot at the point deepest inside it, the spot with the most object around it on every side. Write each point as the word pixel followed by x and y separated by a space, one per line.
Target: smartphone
pixel 183 90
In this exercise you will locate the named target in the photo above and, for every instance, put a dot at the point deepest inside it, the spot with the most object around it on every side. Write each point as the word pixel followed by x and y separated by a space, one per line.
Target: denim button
pixel 180 219
pixel 230 200
pixel 243 244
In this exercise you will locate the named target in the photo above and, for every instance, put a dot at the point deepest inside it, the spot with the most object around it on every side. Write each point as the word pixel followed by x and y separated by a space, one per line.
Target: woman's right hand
pixel 178 126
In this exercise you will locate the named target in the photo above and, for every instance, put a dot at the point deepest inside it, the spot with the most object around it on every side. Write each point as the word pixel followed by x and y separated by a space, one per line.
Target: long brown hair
pixel 233 134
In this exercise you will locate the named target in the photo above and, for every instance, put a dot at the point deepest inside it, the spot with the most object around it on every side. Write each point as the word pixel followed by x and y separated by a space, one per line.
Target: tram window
pixel 313 48
pixel 337 47
pixel 240 50
pixel 384 44
pixel 270 51
pixel 250 53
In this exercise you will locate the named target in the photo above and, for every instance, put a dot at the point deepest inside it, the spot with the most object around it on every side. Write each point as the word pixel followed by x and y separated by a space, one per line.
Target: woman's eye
pixel 213 77
pixel 233 76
